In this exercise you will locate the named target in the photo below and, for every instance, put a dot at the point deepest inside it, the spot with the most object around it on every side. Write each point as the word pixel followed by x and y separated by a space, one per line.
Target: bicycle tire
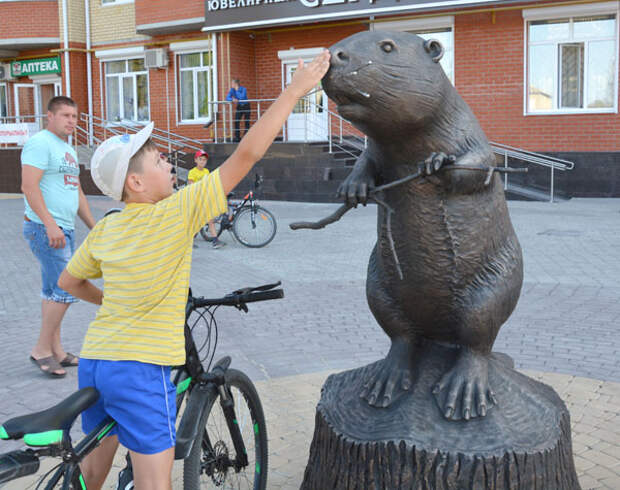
pixel 201 468
pixel 254 231
pixel 204 231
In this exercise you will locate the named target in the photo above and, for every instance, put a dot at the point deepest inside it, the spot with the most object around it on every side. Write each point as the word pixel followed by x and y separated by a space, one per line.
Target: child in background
pixel 144 255
pixel 194 175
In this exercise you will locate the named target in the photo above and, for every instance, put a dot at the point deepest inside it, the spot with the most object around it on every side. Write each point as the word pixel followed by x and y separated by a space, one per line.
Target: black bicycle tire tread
pixel 262 244
pixel 191 465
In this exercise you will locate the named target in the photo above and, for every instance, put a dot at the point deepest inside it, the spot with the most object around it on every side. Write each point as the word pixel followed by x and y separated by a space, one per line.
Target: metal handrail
pixel 161 137
pixel 552 163
pixel 532 157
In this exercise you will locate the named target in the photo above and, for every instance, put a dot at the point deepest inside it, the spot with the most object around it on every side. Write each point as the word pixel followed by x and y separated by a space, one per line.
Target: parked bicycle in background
pixel 251 224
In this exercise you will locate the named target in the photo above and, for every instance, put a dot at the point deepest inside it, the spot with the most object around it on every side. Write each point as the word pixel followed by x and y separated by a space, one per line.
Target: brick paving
pixel 564 329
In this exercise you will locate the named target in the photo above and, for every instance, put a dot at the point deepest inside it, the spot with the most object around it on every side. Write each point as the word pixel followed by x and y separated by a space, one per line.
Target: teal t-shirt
pixel 61 173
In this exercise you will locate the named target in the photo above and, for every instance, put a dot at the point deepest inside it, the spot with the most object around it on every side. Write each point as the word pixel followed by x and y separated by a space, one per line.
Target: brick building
pixel 542 76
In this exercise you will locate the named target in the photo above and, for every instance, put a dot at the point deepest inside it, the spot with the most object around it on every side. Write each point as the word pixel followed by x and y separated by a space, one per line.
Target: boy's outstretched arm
pixel 260 136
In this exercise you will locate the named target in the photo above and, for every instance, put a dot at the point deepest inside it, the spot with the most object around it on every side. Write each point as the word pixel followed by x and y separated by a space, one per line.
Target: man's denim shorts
pixel 139 396
pixel 52 260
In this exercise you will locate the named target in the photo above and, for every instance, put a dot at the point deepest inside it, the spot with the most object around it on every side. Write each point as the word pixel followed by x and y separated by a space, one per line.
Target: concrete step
pixel 516 192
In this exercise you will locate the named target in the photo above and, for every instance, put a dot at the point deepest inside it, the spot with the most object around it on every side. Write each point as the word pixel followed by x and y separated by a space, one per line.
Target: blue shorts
pixel 140 397
pixel 52 260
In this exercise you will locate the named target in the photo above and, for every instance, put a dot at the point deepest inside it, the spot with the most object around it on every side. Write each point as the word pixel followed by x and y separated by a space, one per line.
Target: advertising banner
pixel 16 134
pixel 222 15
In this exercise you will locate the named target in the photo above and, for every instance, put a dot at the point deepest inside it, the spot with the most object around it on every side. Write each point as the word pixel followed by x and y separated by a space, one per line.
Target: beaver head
pixel 386 82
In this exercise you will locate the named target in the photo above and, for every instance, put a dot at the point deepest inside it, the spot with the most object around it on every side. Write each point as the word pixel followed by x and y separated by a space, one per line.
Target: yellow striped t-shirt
pixel 144 255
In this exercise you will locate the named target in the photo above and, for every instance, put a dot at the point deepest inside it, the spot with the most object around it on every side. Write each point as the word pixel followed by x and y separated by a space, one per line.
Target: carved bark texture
pixel 523 443
pixel 338 463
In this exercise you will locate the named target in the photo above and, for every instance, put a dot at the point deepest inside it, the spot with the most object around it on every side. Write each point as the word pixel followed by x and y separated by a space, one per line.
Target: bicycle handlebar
pixel 238 299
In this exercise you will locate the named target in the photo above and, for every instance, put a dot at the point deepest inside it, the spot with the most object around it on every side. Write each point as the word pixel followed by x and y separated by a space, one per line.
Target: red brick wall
pixel 28 19
pixel 488 73
pixel 489 76
pixel 153 11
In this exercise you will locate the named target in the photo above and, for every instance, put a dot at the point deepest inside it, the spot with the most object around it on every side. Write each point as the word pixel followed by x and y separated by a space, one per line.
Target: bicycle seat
pixel 59 417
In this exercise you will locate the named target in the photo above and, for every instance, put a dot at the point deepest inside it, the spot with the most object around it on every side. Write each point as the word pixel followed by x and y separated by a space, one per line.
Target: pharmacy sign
pixel 42 66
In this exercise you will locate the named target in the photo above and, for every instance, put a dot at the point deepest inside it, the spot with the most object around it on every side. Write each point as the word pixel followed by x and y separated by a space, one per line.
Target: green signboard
pixel 41 66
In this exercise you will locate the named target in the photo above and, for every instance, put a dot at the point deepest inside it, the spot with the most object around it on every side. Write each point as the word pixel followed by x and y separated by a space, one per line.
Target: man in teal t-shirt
pixel 52 197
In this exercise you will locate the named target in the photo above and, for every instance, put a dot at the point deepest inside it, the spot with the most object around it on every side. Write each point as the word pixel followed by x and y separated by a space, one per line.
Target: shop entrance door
pixel 44 92
pixel 308 121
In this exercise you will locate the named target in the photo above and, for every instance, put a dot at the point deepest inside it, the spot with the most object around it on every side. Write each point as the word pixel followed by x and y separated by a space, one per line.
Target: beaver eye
pixel 387 46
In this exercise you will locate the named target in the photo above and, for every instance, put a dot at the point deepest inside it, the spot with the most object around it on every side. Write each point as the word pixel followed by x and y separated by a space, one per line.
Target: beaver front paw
pixel 357 186
pixel 464 392
pixel 435 162
pixel 384 384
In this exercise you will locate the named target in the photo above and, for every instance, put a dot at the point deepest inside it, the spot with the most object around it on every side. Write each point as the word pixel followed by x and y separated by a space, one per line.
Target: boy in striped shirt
pixel 144 255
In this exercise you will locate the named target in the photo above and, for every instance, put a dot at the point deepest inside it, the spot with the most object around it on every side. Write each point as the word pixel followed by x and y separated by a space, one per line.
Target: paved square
pixel 563 331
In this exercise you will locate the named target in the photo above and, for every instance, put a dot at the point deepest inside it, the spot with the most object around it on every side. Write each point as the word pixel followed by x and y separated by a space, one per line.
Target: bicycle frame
pixel 190 378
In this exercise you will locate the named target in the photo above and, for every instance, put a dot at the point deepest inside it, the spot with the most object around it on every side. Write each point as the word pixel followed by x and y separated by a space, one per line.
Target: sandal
pixel 49 366
pixel 70 360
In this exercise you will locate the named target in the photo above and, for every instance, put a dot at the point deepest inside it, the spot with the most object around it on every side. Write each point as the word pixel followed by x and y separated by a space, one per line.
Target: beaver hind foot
pixel 390 378
pixel 464 392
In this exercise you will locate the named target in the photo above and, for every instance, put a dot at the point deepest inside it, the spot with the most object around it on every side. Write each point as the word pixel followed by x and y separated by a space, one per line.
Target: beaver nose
pixel 339 57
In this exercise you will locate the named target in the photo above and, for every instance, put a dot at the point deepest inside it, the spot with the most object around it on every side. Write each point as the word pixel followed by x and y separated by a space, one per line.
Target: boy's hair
pixel 135 162
pixel 55 102
pixel 237 81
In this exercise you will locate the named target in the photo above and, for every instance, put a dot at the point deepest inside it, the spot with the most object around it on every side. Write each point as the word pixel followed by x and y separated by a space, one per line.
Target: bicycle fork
pixel 217 376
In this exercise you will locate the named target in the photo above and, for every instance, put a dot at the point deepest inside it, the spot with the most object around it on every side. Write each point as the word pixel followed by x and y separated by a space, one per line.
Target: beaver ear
pixel 434 48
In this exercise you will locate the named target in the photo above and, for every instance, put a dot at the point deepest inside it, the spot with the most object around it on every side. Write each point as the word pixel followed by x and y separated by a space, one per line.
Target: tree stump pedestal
pixel 524 442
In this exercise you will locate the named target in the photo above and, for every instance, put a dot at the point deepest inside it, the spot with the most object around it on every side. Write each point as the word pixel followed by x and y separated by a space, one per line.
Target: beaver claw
pixel 464 392
pixel 385 384
pixel 357 186
pixel 435 162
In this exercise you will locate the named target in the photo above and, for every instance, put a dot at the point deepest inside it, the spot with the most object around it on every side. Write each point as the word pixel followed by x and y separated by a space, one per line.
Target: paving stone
pixel 565 322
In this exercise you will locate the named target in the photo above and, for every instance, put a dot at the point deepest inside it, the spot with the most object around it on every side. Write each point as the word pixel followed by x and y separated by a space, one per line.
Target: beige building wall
pixel 76 23
pixel 113 23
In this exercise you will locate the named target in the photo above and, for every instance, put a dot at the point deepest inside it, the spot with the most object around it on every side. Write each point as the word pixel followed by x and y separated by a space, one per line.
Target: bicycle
pixel 223 443
pixel 251 224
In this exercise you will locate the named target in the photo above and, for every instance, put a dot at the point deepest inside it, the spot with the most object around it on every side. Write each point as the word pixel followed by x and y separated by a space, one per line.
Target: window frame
pixel 120 76
pixel 110 3
pixel 423 26
pixel 195 69
pixel 571 13
pixel 5 86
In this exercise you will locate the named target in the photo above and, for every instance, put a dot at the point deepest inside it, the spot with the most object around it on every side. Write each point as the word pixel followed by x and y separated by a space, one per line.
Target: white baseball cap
pixel 109 163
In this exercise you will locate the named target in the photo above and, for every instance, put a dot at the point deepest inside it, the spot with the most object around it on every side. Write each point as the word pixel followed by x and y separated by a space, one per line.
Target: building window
pixel 440 28
pixel 127 90
pixel 196 86
pixel 115 2
pixel 4 103
pixel 572 64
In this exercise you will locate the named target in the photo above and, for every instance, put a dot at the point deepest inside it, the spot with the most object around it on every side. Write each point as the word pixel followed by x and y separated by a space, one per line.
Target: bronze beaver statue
pixel 461 262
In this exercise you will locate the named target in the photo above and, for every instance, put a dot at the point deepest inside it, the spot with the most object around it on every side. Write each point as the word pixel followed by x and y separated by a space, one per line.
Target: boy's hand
pixel 307 76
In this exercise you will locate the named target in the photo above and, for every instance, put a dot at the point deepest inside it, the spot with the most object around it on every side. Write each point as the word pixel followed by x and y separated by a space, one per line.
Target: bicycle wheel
pixel 256 228
pixel 206 233
pixel 212 461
